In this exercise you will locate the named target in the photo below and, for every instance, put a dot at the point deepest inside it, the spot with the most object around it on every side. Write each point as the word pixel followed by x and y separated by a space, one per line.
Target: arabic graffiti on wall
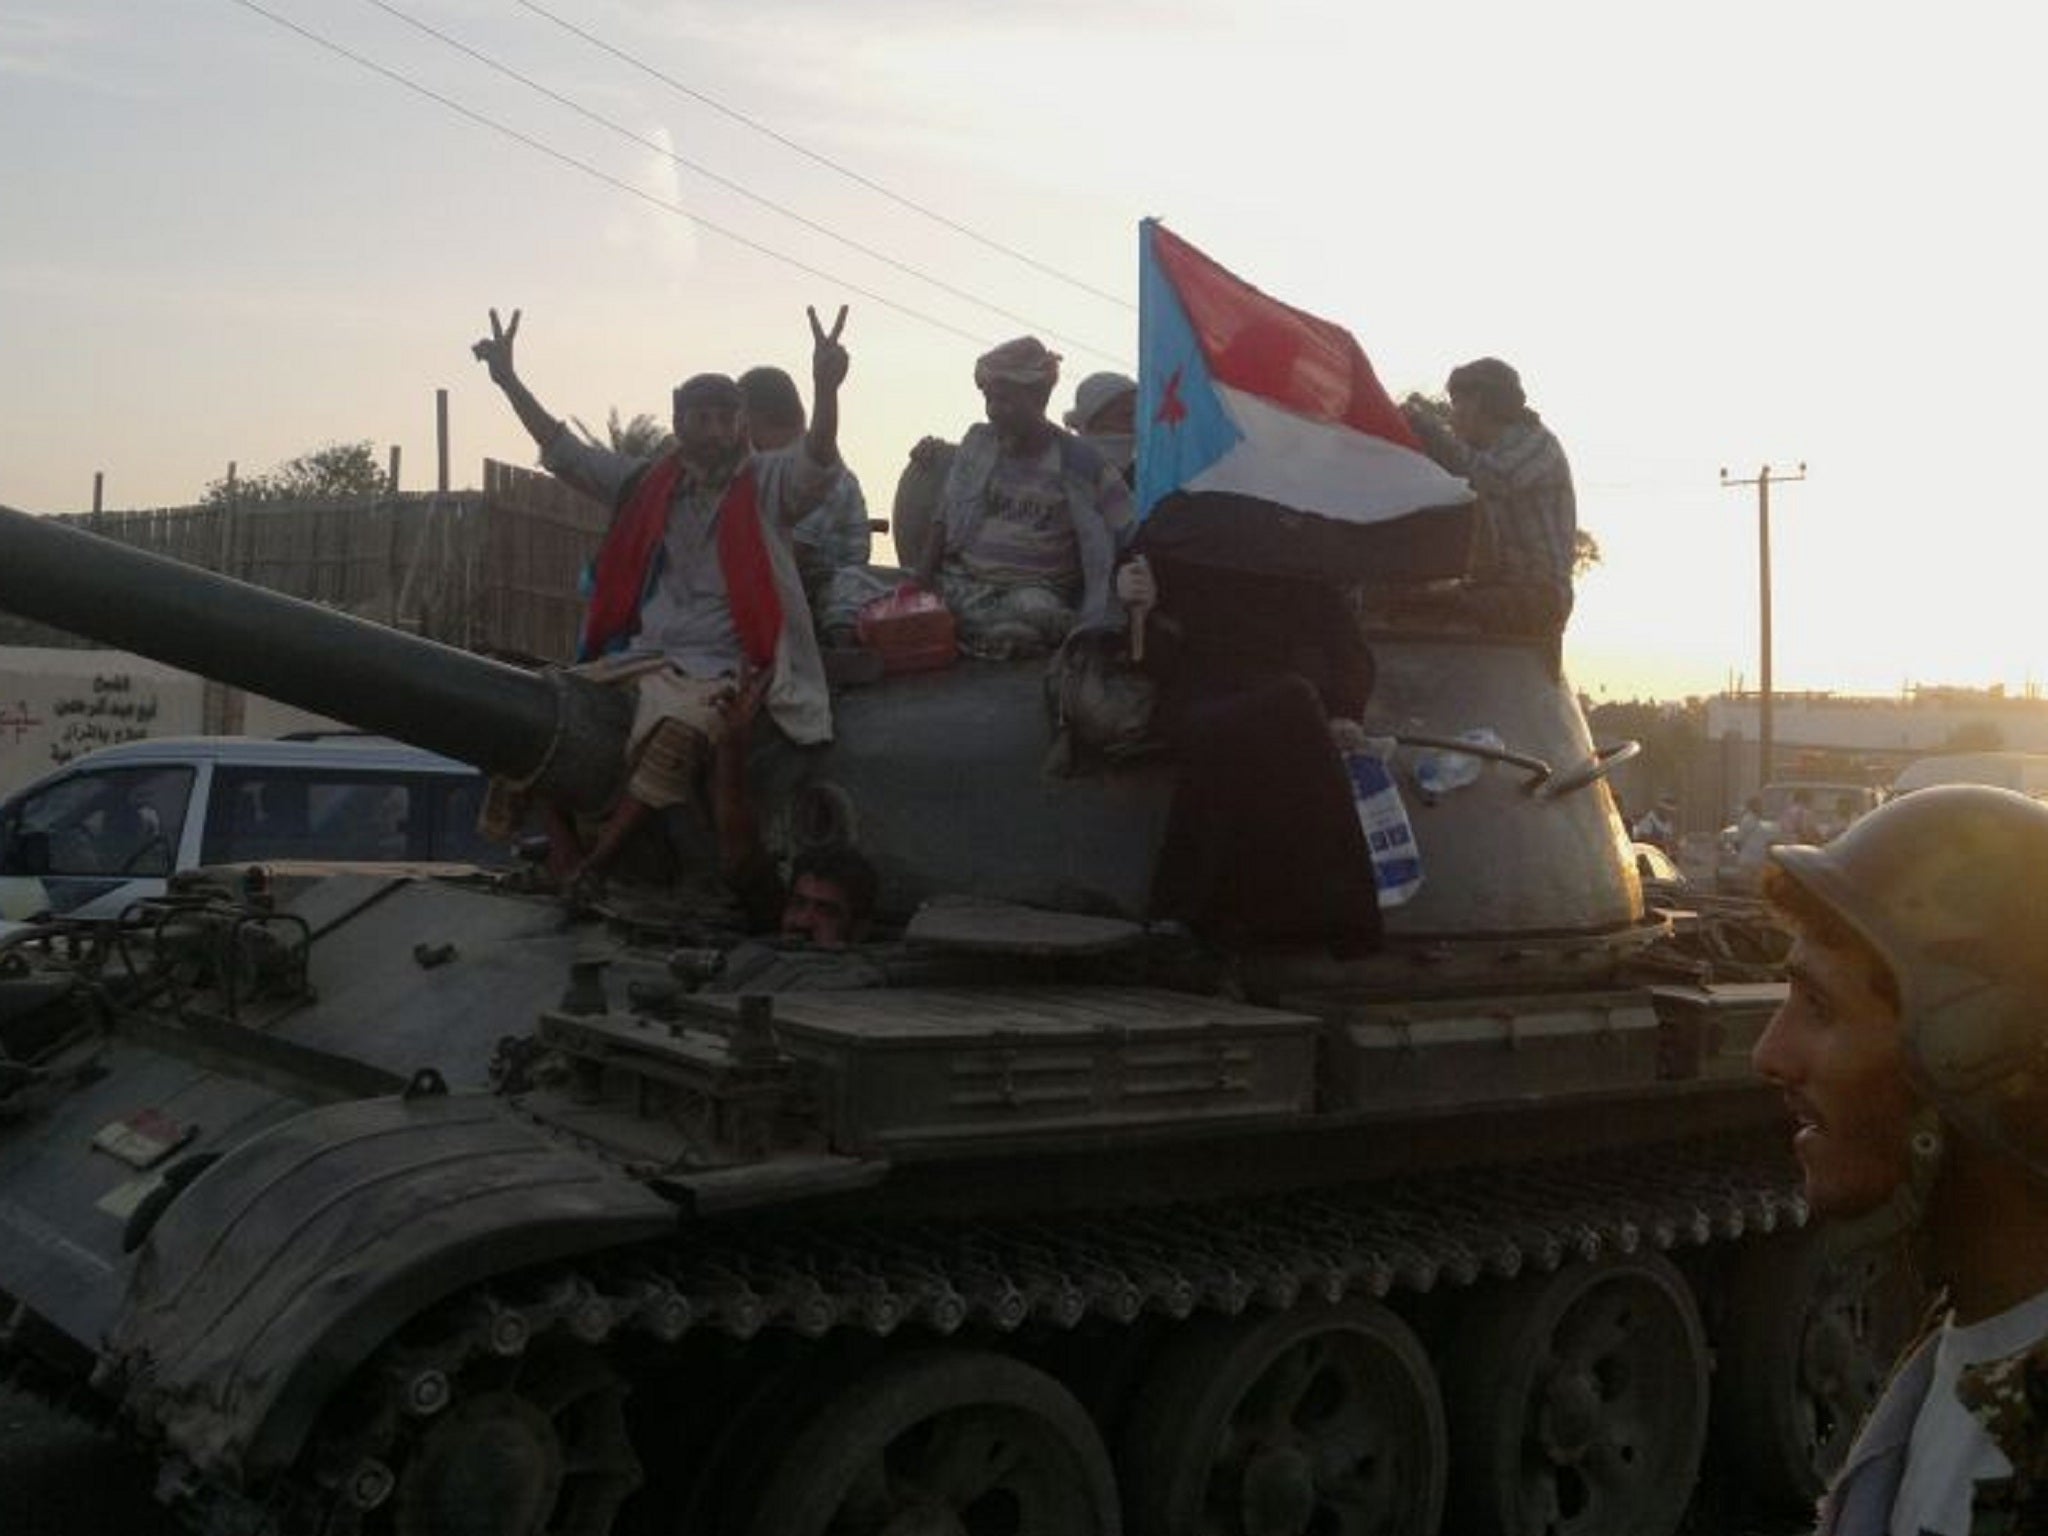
pixel 112 710
pixel 49 718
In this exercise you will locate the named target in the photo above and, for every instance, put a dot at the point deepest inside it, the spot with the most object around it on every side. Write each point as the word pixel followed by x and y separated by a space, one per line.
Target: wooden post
pixel 227 524
pixel 391 484
pixel 391 559
pixel 441 434
pixel 99 485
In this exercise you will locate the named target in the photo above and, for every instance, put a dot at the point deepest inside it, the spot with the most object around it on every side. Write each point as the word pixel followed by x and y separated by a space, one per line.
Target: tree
pixel 1585 552
pixel 644 437
pixel 321 474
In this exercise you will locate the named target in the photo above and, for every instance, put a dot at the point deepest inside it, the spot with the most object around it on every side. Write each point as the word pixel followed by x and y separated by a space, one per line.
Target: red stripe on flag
pixel 1259 345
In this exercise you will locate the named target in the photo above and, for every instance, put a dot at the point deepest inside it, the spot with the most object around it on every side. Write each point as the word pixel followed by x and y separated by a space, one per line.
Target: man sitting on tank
pixel 1521 579
pixel 695 580
pixel 1031 519
pixel 1104 415
pixel 833 543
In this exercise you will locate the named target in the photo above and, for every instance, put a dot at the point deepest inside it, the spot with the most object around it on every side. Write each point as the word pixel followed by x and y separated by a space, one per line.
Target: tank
pixel 376 1200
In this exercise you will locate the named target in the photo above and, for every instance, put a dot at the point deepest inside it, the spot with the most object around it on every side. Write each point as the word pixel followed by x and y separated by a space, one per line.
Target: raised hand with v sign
pixel 828 358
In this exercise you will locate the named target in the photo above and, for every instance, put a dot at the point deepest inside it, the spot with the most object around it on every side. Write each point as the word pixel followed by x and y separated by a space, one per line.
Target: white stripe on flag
pixel 1318 466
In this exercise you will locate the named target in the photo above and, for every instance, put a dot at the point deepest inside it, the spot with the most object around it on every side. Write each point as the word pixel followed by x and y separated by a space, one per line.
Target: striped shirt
pixel 836 535
pixel 1026 532
pixel 1528 514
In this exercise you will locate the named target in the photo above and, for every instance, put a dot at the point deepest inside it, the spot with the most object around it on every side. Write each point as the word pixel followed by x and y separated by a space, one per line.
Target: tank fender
pixel 281 1267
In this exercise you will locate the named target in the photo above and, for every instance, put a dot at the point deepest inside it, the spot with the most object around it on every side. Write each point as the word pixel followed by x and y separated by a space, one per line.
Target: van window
pixel 458 804
pixel 296 813
pixel 116 821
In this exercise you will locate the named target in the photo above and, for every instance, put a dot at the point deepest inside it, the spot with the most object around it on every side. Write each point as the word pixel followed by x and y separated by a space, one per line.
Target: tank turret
pixel 939 777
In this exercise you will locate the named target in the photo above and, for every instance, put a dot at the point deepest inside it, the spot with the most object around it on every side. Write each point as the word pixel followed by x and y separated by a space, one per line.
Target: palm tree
pixel 643 437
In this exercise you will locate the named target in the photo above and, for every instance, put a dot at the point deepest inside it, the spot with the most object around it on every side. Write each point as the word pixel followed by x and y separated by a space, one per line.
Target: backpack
pixel 1100 702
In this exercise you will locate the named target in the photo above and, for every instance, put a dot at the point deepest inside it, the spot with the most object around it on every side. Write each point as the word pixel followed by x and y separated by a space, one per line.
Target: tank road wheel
pixel 543 1452
pixel 1578 1404
pixel 1320 1421
pixel 1810 1337
pixel 943 1443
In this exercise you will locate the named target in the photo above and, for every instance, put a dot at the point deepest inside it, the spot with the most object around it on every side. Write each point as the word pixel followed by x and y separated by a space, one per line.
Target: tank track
pixel 999 1275
pixel 1455 1228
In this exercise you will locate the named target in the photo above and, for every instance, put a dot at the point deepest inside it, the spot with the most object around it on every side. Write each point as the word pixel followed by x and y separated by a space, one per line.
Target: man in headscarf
pixel 1105 415
pixel 1031 519
pixel 695 582
pixel 1521 581
pixel 834 542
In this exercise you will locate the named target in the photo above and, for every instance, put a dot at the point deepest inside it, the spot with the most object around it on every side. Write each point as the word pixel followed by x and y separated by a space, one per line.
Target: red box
pixel 910 629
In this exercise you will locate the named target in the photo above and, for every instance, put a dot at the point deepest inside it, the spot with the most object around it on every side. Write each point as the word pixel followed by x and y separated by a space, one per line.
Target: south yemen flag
pixel 1248 407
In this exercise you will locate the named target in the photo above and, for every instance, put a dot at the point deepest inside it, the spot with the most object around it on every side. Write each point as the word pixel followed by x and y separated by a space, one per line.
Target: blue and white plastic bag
pixel 1396 860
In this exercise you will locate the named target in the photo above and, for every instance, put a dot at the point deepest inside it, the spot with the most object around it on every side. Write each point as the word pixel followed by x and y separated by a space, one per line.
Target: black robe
pixel 1263 844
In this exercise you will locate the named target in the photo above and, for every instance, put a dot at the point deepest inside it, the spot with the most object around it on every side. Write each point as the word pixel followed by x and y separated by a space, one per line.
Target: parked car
pixel 109 829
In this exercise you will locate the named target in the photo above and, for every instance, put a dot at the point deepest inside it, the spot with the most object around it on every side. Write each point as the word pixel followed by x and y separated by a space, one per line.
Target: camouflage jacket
pixel 2009 1397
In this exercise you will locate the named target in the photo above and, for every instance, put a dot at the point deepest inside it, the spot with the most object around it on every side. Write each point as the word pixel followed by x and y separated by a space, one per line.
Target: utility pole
pixel 1762 482
pixel 441 434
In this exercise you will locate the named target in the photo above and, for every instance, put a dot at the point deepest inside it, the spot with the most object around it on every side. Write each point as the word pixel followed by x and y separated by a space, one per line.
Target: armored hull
pixel 389 1202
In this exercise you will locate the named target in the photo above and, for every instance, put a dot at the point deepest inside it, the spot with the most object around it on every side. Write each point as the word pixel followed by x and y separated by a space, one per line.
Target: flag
pixel 1243 397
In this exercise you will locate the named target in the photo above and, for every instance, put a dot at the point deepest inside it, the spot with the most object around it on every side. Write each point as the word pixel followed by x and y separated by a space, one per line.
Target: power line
pixel 604 176
pixel 729 184
pixel 831 165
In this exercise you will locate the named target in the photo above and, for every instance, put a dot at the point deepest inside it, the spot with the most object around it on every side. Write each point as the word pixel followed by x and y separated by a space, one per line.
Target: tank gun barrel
pixel 563 735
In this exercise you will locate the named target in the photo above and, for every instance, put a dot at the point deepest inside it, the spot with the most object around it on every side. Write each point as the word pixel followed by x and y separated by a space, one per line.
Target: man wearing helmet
pixel 1913 1054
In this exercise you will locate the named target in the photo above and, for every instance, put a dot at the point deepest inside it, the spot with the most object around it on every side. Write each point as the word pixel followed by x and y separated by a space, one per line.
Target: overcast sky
pixel 1760 233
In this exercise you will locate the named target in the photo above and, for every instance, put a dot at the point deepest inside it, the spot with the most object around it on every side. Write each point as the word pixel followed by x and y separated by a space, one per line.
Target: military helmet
pixel 1949 885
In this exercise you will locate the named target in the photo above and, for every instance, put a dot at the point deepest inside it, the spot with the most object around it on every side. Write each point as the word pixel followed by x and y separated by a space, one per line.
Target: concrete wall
pixel 57 705
pixel 1906 727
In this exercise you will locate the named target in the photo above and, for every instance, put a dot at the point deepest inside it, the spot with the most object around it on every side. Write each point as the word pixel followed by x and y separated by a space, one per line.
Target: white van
pixel 104 832
pixel 2026 772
